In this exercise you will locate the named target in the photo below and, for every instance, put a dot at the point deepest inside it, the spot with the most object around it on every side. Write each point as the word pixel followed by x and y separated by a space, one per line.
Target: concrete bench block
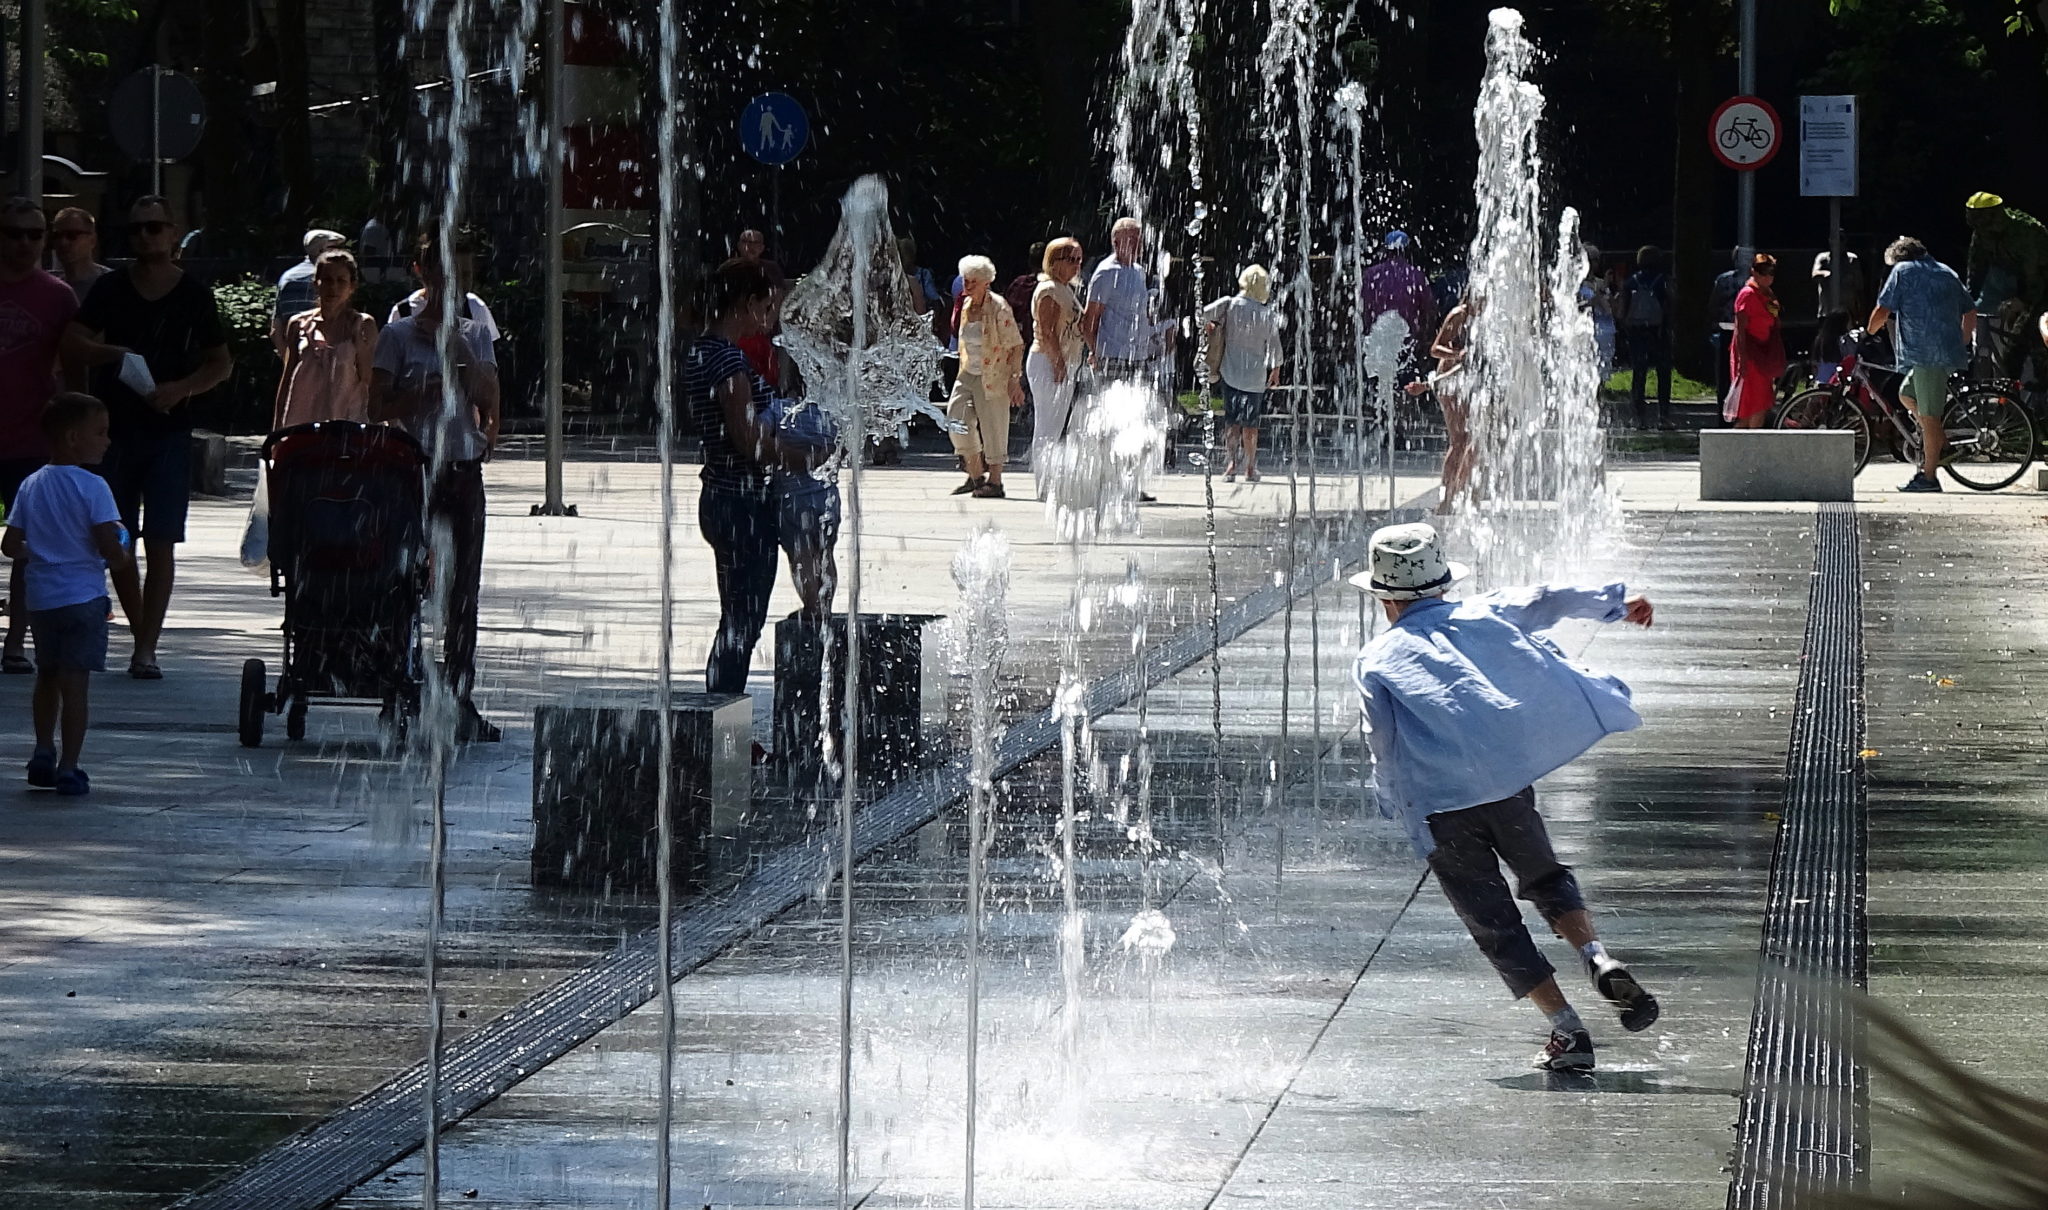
pixel 209 463
pixel 902 688
pixel 1776 464
pixel 596 772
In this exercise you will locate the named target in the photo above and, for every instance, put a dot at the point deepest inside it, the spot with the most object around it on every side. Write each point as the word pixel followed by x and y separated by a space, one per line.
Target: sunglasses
pixel 24 234
pixel 1067 256
pixel 155 226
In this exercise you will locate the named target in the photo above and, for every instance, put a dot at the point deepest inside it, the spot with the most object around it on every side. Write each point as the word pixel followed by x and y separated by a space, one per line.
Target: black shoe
pixel 989 491
pixel 967 488
pixel 1638 1007
pixel 1566 1051
pixel 1147 498
pixel 471 727
pixel 1921 482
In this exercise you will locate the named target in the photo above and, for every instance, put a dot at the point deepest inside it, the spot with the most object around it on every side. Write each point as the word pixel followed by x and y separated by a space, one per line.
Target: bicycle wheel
pixel 1827 408
pixel 1990 439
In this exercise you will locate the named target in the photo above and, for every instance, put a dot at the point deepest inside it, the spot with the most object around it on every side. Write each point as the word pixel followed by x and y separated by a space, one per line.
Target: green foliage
pixel 243 402
pixel 245 308
pixel 79 28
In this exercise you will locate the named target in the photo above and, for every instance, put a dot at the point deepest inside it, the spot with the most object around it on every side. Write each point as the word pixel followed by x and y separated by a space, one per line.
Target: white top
pixel 477 311
pixel 413 359
pixel 56 511
pixel 971 346
pixel 1251 340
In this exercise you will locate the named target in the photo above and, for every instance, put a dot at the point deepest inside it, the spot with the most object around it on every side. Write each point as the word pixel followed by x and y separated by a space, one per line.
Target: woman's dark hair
pixel 340 256
pixel 1764 263
pixel 1903 249
pixel 733 284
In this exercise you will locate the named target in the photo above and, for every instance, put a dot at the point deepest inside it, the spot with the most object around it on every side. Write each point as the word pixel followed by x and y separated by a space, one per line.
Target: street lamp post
pixel 33 86
pixel 551 306
pixel 1745 182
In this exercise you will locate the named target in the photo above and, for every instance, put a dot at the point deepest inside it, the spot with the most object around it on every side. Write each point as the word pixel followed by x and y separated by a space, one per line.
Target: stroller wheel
pixel 295 719
pixel 255 704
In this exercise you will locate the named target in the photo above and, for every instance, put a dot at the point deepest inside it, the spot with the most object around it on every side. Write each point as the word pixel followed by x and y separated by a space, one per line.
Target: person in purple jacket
pixel 1393 283
pixel 1466 705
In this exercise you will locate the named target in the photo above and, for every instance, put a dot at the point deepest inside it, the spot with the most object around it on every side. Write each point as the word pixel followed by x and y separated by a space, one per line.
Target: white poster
pixel 1827 146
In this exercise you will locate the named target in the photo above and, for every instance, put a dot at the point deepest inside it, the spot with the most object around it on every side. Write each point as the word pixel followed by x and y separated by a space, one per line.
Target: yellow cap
pixel 1984 201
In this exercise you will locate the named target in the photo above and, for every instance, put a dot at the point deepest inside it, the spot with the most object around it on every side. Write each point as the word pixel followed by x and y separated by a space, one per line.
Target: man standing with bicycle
pixel 1937 321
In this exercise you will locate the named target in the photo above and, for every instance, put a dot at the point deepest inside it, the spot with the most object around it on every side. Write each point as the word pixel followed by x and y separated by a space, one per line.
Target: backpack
pixel 1645 301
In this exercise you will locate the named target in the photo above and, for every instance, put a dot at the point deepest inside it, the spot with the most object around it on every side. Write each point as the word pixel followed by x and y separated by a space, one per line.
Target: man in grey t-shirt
pixel 408 387
pixel 1121 322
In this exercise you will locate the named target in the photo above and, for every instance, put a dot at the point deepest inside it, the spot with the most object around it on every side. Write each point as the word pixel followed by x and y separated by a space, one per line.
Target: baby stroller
pixel 347 555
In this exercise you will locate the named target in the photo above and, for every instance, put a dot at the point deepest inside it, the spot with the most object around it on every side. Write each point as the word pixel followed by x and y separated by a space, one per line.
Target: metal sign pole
pixel 33 86
pixel 1745 182
pixel 156 129
pixel 551 310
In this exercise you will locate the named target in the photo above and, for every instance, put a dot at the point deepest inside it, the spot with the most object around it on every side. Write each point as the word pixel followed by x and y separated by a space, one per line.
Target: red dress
pixel 1756 357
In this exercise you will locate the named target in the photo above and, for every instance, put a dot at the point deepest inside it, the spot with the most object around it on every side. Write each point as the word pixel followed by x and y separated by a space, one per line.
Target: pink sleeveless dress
pixel 325 384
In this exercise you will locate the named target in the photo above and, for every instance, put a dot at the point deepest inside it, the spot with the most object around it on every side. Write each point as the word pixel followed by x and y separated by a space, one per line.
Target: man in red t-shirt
pixel 35 311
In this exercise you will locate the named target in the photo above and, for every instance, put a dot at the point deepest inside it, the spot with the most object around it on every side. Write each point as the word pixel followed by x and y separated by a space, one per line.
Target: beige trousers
pixel 983 411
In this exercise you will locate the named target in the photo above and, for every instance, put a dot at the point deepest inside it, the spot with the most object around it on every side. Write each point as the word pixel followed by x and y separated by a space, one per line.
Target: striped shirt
pixel 710 361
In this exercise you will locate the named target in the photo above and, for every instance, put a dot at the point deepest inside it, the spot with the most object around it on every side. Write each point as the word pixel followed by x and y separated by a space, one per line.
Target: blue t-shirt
pixel 1927 301
pixel 1125 333
pixel 56 511
pixel 295 292
pixel 712 360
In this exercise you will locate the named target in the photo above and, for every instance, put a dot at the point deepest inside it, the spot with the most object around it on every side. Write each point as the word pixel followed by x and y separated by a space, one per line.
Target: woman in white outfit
pixel 1056 348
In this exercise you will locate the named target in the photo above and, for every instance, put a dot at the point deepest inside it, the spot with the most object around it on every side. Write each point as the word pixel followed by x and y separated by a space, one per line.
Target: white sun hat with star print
pixel 1408 564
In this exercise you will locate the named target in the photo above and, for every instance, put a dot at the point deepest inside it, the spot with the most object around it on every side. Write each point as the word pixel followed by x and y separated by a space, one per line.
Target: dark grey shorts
pixel 1471 846
pixel 71 638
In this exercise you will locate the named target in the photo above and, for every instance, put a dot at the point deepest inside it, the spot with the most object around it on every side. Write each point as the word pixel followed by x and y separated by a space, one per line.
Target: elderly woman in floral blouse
pixel 990 384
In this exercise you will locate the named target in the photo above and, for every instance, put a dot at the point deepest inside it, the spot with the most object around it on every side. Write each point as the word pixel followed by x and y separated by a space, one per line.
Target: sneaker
pixel 1637 1006
pixel 42 769
pixel 1566 1051
pixel 1920 482
pixel 72 782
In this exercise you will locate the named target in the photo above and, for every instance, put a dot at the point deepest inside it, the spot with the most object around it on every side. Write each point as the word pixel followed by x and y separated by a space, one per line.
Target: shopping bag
pixel 256 534
pixel 1732 406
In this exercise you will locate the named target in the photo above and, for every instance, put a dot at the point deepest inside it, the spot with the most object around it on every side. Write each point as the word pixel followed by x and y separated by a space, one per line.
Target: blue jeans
pixel 741 529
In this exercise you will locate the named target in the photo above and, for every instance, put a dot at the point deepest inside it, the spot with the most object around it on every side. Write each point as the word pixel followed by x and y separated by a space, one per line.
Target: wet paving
pixel 1322 1032
pixel 224 946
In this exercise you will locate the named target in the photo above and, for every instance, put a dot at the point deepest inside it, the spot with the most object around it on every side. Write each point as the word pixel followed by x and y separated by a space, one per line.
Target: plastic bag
pixel 256 534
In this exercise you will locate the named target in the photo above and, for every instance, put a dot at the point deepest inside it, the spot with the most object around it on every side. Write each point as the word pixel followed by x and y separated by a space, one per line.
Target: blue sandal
pixel 73 782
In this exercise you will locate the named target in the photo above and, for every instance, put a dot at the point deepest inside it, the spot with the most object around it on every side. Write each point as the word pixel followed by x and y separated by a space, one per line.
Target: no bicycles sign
pixel 1744 133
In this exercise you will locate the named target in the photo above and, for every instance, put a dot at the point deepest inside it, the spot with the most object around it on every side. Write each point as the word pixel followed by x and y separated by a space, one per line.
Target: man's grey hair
pixel 19 205
pixel 1904 248
pixel 1125 224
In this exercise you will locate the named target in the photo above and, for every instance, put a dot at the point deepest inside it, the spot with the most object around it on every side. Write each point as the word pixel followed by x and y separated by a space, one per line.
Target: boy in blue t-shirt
pixel 67 529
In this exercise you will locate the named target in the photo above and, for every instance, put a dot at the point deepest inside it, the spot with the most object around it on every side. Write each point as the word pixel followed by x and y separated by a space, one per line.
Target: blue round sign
pixel 774 128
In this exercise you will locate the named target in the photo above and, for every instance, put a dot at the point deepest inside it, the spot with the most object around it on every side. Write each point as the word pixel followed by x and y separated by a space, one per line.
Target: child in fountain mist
pixel 1466 705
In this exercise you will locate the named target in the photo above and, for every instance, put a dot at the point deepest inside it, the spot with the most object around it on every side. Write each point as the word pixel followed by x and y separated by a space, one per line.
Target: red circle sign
pixel 1744 133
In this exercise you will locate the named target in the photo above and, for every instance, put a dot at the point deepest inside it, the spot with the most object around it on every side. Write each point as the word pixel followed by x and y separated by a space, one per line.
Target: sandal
pixel 970 487
pixel 145 670
pixel 18 664
pixel 990 491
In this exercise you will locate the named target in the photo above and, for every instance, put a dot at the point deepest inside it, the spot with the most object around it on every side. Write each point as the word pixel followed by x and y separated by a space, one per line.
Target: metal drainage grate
pixel 322 1163
pixel 1805 1111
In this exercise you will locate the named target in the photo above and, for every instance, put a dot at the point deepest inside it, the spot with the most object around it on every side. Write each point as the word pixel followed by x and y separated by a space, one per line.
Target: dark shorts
pixel 1243 408
pixel 1471 846
pixel 13 473
pixel 152 482
pixel 72 638
pixel 806 515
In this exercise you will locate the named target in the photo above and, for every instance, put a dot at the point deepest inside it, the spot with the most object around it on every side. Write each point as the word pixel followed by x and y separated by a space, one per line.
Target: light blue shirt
pixel 1466 704
pixel 1927 301
pixel 1126 298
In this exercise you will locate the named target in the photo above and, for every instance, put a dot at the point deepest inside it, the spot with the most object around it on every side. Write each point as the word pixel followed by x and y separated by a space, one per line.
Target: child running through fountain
pixel 1466 705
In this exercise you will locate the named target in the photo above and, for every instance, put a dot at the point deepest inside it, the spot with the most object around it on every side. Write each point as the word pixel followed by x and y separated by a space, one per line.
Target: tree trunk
pixel 1063 118
pixel 294 124
pixel 223 149
pixel 391 118
pixel 1696 30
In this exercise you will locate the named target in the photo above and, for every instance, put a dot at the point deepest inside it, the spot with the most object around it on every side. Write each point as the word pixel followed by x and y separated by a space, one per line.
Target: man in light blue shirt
pixel 1121 322
pixel 1936 324
pixel 1466 705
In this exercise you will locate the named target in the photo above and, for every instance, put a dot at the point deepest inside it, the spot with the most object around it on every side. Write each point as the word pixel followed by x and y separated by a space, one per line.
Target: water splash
pixel 981 570
pixel 1094 475
pixel 1536 506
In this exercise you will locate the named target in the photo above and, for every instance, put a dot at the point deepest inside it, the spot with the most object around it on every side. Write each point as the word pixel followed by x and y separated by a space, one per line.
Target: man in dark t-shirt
pixel 167 318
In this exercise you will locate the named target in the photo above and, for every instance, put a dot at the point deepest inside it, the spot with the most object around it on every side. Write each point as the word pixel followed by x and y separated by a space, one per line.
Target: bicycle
pixel 1990 437
pixel 1746 130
